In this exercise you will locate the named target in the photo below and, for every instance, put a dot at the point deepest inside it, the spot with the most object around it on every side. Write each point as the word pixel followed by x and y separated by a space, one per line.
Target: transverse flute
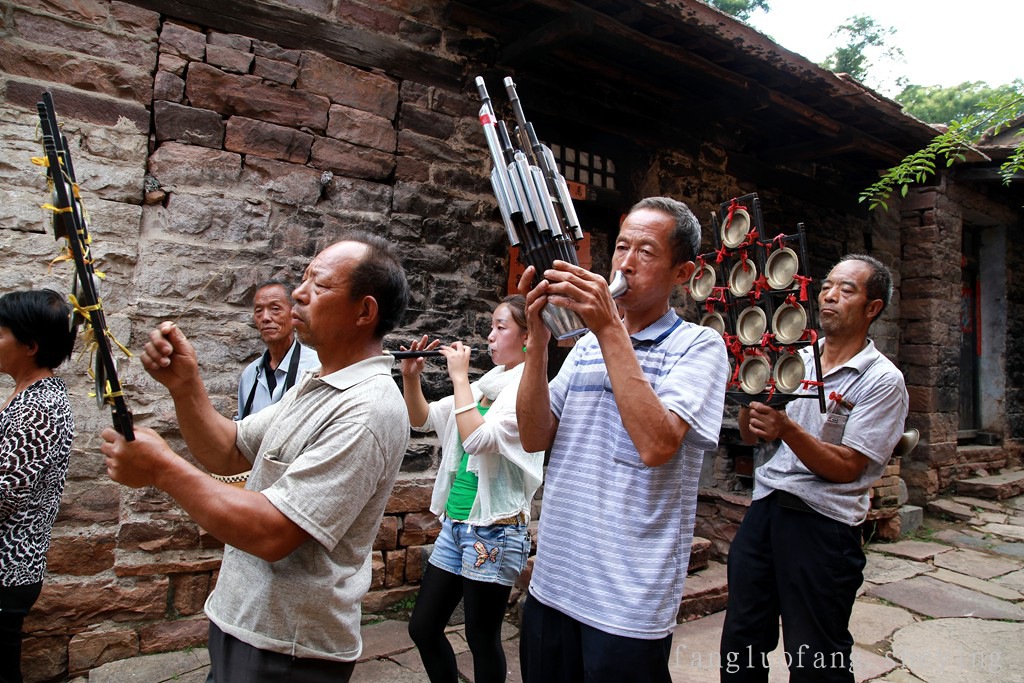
pixel 418 354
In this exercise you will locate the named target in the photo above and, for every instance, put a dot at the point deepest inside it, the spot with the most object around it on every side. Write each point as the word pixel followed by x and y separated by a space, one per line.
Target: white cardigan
pixel 508 475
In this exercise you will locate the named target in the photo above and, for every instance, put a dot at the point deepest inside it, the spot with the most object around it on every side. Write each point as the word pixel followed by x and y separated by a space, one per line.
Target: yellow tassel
pixel 118 344
pixel 65 255
pixel 51 207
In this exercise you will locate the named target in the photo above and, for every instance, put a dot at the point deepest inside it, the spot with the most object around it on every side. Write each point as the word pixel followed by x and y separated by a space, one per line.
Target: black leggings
pixel 15 602
pixel 485 605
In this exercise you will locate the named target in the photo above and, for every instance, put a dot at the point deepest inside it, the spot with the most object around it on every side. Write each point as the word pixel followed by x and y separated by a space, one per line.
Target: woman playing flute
pixel 482 494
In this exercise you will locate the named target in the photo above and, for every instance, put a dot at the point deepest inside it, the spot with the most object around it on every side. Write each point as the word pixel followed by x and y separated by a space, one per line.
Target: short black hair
pixel 685 238
pixel 879 284
pixel 40 318
pixel 379 274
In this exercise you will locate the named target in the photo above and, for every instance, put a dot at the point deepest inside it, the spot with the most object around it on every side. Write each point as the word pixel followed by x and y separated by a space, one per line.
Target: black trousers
pixel 15 602
pixel 232 661
pixel 790 561
pixel 555 648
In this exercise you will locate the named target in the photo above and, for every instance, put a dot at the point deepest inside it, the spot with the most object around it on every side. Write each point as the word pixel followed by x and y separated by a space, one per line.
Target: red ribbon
pixel 734 206
pixel 732 343
pixel 760 284
pixel 766 342
pixel 750 239
pixel 734 381
pixel 804 282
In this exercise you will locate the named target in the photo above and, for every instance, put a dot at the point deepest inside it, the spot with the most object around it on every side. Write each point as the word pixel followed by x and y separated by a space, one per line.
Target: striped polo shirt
pixel 615 535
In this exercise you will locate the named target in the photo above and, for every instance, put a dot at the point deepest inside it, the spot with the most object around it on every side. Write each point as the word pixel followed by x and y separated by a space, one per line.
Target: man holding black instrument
pixel 324 459
pixel 265 380
pixel 628 418
pixel 798 551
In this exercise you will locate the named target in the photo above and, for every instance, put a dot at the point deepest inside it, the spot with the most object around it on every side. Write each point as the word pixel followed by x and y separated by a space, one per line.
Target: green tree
pixel 935 104
pixel 1005 107
pixel 864 37
pixel 741 9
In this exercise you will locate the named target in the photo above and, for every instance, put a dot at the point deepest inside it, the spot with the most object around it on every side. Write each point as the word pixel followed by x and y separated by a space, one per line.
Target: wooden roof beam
pixel 571 27
pixel 606 29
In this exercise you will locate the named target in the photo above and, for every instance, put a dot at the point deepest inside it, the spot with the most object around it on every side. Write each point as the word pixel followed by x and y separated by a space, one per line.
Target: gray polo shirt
pixel 875 387
pixel 326 455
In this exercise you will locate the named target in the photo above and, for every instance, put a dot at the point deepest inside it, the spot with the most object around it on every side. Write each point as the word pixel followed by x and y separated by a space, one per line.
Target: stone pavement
pixel 943 606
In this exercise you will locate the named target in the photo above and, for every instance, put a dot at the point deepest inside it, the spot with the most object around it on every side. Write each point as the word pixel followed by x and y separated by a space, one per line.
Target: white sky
pixel 944 42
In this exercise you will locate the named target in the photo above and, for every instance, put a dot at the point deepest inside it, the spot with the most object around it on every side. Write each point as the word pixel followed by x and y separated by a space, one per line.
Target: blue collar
pixel 658 331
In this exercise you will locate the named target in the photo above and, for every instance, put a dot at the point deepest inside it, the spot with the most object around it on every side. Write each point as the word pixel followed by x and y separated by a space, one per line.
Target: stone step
pixel 705 592
pixel 700 554
pixel 990 456
pixel 950 509
pixel 996 486
pixel 189 666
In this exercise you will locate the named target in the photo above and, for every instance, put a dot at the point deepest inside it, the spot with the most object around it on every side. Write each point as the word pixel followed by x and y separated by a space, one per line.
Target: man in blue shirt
pixel 265 380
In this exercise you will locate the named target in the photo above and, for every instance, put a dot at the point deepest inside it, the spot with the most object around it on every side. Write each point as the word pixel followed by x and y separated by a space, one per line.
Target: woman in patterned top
pixel 36 430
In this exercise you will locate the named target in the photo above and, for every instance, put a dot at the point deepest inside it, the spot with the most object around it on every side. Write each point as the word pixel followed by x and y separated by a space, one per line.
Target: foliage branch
pixel 994 115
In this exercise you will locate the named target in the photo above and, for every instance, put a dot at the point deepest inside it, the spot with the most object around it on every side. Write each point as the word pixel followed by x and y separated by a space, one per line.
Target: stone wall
pixel 1015 336
pixel 211 161
pixel 102 599
pixel 1013 356
pixel 929 355
pixel 934 220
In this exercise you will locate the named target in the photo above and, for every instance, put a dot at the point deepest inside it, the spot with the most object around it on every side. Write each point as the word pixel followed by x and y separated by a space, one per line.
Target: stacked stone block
pixel 929 353
pixel 1015 346
pixel 403 543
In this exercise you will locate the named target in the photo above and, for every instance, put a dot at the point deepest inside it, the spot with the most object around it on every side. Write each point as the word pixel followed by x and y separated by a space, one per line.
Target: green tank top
pixel 463 491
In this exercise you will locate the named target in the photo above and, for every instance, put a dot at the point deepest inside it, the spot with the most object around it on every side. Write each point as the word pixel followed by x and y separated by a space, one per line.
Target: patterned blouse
pixel 36 431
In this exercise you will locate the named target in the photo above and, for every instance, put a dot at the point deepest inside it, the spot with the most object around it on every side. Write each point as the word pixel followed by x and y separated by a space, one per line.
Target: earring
pixel 524 349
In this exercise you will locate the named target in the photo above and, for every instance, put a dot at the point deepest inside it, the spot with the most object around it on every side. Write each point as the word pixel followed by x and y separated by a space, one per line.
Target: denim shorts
pixel 492 554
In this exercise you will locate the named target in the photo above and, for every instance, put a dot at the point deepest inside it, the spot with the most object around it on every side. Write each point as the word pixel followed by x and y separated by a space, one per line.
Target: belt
pixel 504 521
pixel 791 502
pixel 510 521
